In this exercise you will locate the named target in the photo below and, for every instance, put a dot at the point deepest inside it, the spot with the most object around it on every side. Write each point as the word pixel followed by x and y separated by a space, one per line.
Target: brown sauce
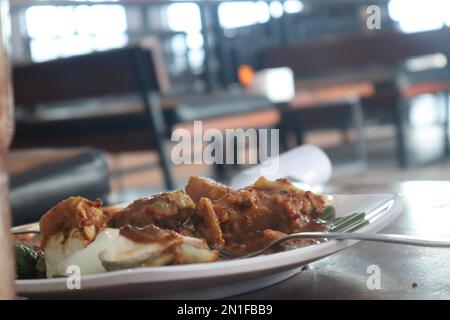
pixel 258 240
pixel 147 234
pixel 153 234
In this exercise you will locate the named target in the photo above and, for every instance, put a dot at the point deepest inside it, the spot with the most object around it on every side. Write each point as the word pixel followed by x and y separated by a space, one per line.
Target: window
pixel 239 14
pixel 60 31
pixel 245 13
pixel 293 6
pixel 420 15
pixel 185 17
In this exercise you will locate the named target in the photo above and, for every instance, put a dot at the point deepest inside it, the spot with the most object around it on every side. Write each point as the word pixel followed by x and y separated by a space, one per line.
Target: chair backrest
pixel 128 70
pixel 112 72
pixel 358 50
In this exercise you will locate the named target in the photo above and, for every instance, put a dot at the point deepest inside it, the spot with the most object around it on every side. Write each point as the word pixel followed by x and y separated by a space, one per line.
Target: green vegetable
pixel 328 214
pixel 160 205
pixel 289 247
pixel 349 223
pixel 26 259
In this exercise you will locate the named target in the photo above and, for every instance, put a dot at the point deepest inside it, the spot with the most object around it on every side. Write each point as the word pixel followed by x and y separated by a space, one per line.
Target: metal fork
pixel 378 237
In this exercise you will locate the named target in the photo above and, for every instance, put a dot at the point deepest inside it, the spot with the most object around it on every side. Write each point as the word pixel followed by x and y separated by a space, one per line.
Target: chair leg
pixel 284 125
pixel 299 131
pixel 156 121
pixel 166 168
pixel 157 131
pixel 164 161
pixel 284 134
pixel 398 115
pixel 446 123
pixel 220 169
pixel 358 123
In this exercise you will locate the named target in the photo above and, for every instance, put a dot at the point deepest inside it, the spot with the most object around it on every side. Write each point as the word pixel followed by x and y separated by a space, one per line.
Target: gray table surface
pixel 406 272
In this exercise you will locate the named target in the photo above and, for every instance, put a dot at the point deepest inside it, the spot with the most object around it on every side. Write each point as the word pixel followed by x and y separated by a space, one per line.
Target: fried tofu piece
pixel 74 213
pixel 198 187
pixel 166 210
pixel 293 199
pixel 207 224
pixel 68 227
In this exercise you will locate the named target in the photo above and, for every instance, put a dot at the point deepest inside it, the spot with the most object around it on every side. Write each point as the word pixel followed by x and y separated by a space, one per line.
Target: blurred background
pixel 100 85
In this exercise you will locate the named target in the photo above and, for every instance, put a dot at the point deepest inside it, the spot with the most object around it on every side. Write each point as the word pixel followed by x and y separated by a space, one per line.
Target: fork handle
pixel 378 237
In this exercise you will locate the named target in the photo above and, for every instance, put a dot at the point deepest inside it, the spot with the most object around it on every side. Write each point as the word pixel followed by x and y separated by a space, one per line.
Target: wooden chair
pixel 114 73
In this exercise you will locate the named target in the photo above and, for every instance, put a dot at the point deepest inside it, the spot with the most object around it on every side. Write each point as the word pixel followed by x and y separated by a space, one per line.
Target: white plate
pixel 218 279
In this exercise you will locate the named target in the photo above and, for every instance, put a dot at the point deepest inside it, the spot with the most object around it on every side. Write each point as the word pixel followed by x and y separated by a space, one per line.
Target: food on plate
pixel 153 246
pixel 189 225
pixel 86 259
pixel 26 261
pixel 199 187
pixel 168 210
pixel 244 215
pixel 69 227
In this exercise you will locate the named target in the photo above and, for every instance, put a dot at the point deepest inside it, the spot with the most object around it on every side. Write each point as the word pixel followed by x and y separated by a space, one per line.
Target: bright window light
pixel 240 14
pixel 101 19
pixel 184 17
pixel 60 31
pixel 49 21
pixel 194 40
pixel 446 11
pixel 69 46
pixel 196 58
pixel 110 19
pixel 110 42
pixel 262 12
pixel 44 49
pixel 84 20
pixel 423 111
pixel 178 43
pixel 293 6
pixel 276 9
pixel 431 61
pixel 419 15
